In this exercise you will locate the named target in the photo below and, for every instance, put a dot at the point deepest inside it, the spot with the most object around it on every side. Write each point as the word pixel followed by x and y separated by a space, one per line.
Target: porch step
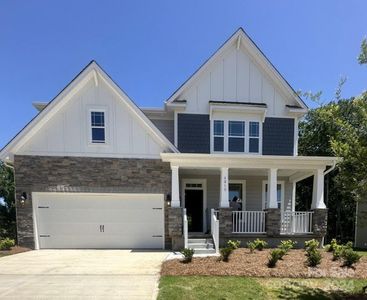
pixel 202 245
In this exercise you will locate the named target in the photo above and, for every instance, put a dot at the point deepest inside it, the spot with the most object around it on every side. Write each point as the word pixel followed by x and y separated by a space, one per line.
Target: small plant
pixel 311 246
pixel 275 255
pixel 225 253
pixel 6 244
pixel 188 254
pixel 337 251
pixel 286 245
pixel 332 246
pixel 251 246
pixel 260 244
pixel 350 257
pixel 233 244
pixel 314 257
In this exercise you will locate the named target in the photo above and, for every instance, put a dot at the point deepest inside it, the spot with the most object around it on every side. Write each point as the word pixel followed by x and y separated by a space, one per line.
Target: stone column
pixel 175 223
pixel 225 221
pixel 319 222
pixel 273 221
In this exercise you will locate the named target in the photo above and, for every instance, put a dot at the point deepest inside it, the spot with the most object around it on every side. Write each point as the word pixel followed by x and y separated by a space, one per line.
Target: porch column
pixel 224 187
pixel 272 188
pixel 318 190
pixel 175 198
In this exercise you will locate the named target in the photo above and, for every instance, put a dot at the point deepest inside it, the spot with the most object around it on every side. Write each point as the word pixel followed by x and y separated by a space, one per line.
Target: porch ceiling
pixel 235 172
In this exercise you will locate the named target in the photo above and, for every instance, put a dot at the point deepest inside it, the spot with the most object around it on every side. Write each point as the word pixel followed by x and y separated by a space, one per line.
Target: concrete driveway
pixel 81 274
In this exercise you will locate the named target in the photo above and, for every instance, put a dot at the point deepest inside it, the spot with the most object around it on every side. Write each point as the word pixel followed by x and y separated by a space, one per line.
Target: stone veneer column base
pixel 273 222
pixel 319 221
pixel 225 224
pixel 175 225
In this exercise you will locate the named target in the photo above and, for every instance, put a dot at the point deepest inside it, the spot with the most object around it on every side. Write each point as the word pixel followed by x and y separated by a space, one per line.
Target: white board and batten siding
pixel 235 76
pixel 91 220
pixel 68 131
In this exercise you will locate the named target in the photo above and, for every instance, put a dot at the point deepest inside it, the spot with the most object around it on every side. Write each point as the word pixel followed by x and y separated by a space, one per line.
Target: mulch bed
pixel 243 263
pixel 13 250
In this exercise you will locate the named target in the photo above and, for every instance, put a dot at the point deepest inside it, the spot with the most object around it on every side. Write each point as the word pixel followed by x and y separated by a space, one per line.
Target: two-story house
pixel 219 161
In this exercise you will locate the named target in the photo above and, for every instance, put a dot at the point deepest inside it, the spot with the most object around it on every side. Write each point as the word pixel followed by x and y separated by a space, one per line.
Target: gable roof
pixel 92 70
pixel 241 37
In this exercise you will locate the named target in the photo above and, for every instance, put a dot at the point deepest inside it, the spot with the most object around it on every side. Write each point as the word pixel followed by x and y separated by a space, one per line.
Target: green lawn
pixel 230 287
pixel 362 252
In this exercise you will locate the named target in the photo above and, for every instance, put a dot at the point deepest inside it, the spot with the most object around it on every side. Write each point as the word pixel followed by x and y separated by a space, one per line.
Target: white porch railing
pixel 295 222
pixel 185 229
pixel 215 229
pixel 248 221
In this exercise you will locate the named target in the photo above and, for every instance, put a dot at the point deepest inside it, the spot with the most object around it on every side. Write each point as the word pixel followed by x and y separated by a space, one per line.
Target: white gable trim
pixel 241 38
pixel 91 71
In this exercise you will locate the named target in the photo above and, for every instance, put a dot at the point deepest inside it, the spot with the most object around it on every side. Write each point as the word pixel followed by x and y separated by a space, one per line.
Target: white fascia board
pixel 248 161
pixel 238 108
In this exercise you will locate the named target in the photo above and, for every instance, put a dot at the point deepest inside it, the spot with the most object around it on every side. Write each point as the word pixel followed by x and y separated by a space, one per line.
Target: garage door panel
pixel 70 220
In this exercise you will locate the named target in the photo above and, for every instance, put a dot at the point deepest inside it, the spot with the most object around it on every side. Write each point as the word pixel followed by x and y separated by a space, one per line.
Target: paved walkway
pixel 81 274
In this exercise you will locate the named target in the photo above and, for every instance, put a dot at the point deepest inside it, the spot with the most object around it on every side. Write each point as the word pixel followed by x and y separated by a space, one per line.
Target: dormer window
pixel 254 137
pixel 236 136
pixel 218 135
pixel 98 127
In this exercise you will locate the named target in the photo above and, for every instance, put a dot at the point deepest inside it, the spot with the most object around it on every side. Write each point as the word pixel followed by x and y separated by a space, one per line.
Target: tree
pixel 7 207
pixel 362 58
pixel 338 129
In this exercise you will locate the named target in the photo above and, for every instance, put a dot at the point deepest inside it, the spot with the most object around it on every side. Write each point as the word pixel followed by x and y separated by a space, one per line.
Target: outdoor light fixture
pixel 168 199
pixel 23 198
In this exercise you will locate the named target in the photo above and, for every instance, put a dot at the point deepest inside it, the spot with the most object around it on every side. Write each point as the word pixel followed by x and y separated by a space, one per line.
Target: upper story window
pixel 254 137
pixel 218 127
pixel 236 136
pixel 98 127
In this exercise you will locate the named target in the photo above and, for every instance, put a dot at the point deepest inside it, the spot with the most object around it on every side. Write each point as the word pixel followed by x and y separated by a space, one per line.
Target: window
pixel 236 136
pixel 279 194
pixel 218 135
pixel 98 127
pixel 254 137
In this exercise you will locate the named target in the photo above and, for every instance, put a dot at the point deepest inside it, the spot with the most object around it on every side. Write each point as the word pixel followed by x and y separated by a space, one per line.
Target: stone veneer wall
pixel 84 174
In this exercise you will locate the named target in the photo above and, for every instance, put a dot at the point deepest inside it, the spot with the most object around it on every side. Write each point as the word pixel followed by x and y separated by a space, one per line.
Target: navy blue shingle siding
pixel 193 133
pixel 278 136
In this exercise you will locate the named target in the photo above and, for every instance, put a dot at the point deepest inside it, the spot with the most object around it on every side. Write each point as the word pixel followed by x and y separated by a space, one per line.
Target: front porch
pixel 244 197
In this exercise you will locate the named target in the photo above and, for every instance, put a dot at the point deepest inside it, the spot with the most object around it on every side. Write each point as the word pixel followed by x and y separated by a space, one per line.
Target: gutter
pixel 331 169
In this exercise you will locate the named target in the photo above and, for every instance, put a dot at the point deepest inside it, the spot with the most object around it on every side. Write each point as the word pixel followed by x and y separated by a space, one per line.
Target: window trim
pixel 226 135
pixel 90 127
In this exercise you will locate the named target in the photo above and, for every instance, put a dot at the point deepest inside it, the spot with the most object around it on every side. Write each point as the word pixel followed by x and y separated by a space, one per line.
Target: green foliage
pixel 333 245
pixel 350 257
pixel 340 251
pixel 6 244
pixel 251 246
pixel 260 244
pixel 337 252
pixel 233 244
pixel 314 257
pixel 275 255
pixel 287 245
pixel 7 210
pixel 225 253
pixel 311 246
pixel 188 254
pixel 362 58
pixel 337 129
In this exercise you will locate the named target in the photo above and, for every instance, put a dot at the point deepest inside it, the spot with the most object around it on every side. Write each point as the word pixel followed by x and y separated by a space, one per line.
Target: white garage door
pixel 88 220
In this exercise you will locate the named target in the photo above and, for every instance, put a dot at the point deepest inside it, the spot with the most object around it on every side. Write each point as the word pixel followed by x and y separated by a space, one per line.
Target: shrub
pixel 314 257
pixel 286 245
pixel 337 252
pixel 311 246
pixel 332 246
pixel 233 244
pixel 225 253
pixel 350 257
pixel 6 244
pixel 188 254
pixel 251 246
pixel 260 244
pixel 275 255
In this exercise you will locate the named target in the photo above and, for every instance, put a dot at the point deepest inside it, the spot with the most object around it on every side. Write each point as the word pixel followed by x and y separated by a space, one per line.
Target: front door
pixel 194 209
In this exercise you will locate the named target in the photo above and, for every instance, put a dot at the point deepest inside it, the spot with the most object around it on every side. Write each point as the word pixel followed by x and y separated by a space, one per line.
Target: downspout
pixel 332 168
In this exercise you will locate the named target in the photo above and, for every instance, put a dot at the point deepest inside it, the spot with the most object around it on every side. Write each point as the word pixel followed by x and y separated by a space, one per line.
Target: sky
pixel 151 47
